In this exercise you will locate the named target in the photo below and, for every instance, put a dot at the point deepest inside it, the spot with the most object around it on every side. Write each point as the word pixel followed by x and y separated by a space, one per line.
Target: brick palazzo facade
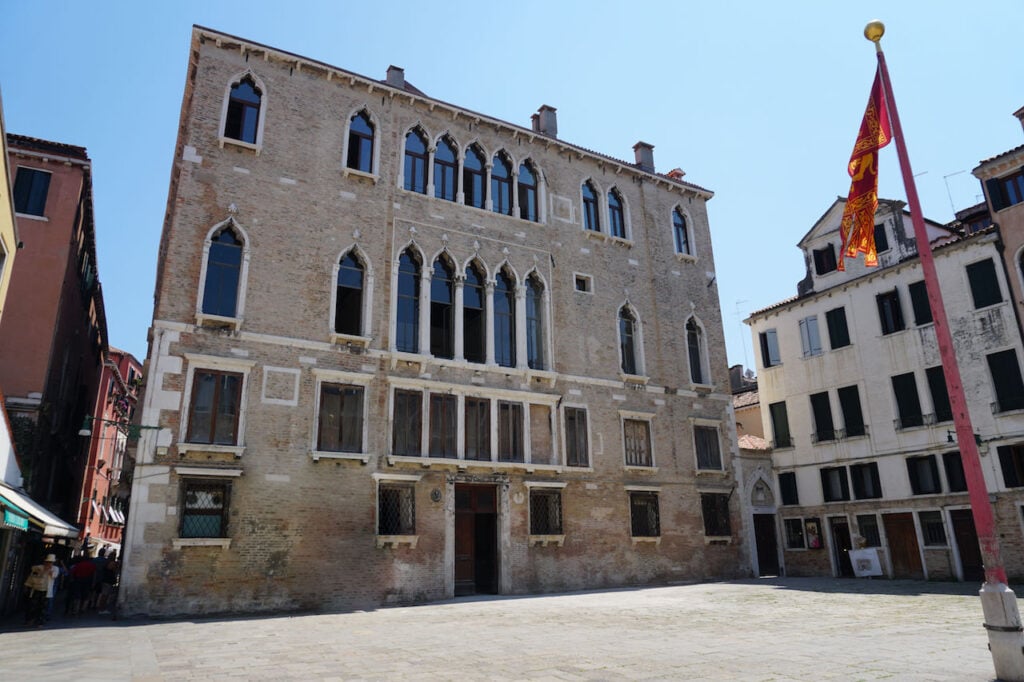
pixel 403 351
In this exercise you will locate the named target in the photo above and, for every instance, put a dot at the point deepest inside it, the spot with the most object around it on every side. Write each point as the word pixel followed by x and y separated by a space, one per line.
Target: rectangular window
pixel 984 283
pixel 510 432
pixel 204 509
pixel 30 189
pixel 853 418
pixel 780 425
pixel 709 454
pixel 213 413
pixel 907 403
pixel 890 314
pixel 542 447
pixel 940 396
pixel 1011 460
pixel 868 527
pixel 838 332
pixel 770 348
pixel 1006 191
pixel 866 483
pixel 954 467
pixel 444 420
pixel 788 489
pixel 794 533
pixel 478 429
pixel 924 475
pixel 576 447
pixel 645 520
pixel 340 423
pixel 545 512
pixel 1006 380
pixel 809 337
pixel 825 259
pixel 637 436
pixel 932 529
pixel 715 509
pixel 919 302
pixel 407 424
pixel 881 239
pixel 396 509
pixel 821 409
pixel 834 485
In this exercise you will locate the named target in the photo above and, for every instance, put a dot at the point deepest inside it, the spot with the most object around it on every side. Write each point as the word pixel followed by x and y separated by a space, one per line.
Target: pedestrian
pixel 108 579
pixel 40 583
pixel 83 574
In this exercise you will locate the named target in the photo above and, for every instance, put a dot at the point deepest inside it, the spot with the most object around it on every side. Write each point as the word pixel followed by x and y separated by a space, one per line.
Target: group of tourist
pixel 89 584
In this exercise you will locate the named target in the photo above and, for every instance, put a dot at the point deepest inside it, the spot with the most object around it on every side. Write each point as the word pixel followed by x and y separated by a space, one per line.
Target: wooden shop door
pixel 967 544
pixel 476 539
pixel 841 546
pixel 903 547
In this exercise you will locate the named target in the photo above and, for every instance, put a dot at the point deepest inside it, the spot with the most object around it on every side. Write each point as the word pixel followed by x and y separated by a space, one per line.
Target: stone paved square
pixel 768 630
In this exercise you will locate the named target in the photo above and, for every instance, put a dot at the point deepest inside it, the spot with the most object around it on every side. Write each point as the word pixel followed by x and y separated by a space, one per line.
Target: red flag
pixel 858 224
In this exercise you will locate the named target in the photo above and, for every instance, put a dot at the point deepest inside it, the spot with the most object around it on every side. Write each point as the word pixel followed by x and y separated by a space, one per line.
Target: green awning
pixel 14 517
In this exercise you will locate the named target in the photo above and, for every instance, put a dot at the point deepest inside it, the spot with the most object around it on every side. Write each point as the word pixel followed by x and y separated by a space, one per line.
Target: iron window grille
pixel 204 509
pixel 545 512
pixel 645 521
pixel 396 509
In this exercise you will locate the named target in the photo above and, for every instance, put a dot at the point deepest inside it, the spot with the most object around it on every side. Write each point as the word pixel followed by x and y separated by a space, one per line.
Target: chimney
pixel 547 121
pixel 1020 115
pixel 396 77
pixel 644 156
pixel 535 122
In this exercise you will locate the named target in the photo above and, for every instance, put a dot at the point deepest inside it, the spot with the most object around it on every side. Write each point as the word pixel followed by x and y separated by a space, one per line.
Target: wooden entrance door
pixel 476 539
pixel 767 546
pixel 841 546
pixel 967 545
pixel 903 548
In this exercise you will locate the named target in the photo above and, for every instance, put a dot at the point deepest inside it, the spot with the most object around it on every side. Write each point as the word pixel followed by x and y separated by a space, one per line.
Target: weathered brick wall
pixel 303 532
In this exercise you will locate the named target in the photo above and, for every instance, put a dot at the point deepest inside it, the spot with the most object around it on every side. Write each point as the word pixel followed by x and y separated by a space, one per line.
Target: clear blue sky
pixel 757 101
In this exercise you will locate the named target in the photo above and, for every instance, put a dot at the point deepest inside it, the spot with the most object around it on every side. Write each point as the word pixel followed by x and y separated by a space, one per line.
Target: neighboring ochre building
pixel 402 351
pixel 855 405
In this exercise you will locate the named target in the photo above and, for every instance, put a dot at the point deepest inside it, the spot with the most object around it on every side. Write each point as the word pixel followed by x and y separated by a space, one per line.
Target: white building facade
pixel 855 406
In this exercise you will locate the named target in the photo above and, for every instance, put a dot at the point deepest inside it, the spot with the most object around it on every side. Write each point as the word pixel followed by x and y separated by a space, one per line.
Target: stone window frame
pixel 690 255
pixel 222 139
pixel 640 377
pixel 195 474
pixel 627 226
pixel 366 314
pixel 549 487
pixel 428 159
pixel 385 479
pixel 565 435
pixel 334 376
pixel 647 490
pixel 715 424
pixel 206 319
pixel 374 174
pixel 703 359
pixel 198 362
pixel 648 417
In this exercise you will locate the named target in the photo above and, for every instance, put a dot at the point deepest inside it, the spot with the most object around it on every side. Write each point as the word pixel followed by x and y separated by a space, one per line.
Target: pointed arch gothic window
pixel 407 318
pixel 243 115
pixel 416 162
pixel 505 320
pixel 442 308
pixel 223 274
pixel 348 304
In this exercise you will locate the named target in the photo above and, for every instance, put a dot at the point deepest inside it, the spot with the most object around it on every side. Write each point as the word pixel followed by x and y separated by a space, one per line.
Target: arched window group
pixel 478 184
pixel 611 212
pixel 499 321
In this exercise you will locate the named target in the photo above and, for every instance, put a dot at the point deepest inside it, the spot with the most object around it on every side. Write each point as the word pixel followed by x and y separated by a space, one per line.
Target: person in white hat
pixel 41 582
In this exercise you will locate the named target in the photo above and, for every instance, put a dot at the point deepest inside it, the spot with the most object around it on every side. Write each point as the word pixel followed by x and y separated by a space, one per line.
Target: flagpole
pixel 1002 618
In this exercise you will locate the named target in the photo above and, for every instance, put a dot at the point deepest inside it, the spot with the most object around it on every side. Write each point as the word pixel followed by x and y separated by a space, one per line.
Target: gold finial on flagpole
pixel 874 32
